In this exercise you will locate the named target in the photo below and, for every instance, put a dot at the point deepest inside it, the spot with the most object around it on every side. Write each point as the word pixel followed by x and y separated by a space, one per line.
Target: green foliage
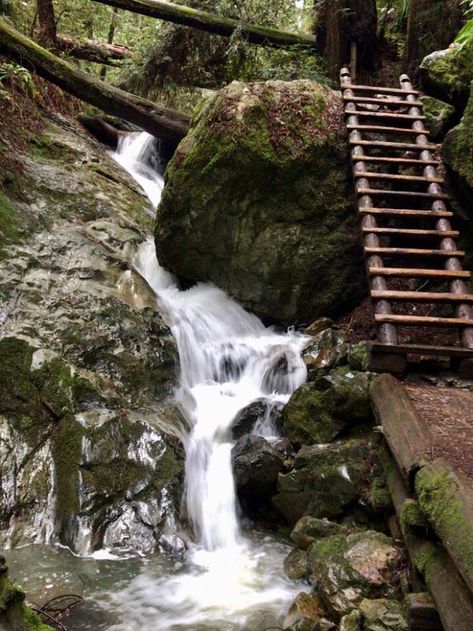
pixel 15 77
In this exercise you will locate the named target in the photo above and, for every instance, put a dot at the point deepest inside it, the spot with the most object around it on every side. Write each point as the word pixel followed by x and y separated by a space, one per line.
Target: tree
pixel 46 34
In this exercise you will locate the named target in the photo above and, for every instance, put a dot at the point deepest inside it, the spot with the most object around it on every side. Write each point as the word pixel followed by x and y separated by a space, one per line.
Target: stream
pixel 228 359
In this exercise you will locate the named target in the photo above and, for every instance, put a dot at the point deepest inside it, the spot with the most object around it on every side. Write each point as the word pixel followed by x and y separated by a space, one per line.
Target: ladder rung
pixel 421 349
pixel 373 88
pixel 388 130
pixel 395 160
pixel 411 232
pixel 421 296
pixel 405 212
pixel 409 320
pixel 393 145
pixel 370 175
pixel 363 99
pixel 395 115
pixel 381 191
pixel 406 272
pixel 414 252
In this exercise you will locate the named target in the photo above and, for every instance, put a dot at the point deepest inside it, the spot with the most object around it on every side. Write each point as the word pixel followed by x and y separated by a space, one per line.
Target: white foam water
pixel 228 359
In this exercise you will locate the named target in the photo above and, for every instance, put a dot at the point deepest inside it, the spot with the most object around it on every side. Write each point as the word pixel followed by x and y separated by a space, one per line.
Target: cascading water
pixel 228 359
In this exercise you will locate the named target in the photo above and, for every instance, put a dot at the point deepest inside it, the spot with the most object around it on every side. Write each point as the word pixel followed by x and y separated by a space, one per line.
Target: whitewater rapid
pixel 228 359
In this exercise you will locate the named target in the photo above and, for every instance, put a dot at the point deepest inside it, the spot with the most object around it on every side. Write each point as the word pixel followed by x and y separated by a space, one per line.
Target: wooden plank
pixel 414 252
pixel 413 232
pixel 395 115
pixel 415 272
pixel 392 145
pixel 396 160
pixel 421 349
pixel 422 296
pixel 381 90
pixel 410 320
pixel 406 436
pixel 371 175
pixel 363 99
pixel 382 191
pixel 446 498
pixel 387 130
pixel 405 212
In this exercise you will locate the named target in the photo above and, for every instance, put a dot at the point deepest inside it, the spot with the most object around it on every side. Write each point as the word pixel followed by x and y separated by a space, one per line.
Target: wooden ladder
pixel 405 223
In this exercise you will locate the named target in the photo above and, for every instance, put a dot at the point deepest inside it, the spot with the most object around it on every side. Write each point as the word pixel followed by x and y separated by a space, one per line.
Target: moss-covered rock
pixel 317 413
pixel 258 200
pixel 295 564
pixel 307 613
pixel 382 614
pixel 439 116
pixel 447 74
pixel 347 569
pixel 326 480
pixel 14 613
pixel 457 153
pixel 308 529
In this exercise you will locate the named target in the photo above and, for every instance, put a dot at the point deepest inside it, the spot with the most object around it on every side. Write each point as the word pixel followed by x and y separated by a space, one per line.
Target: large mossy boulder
pixel 347 569
pixel 258 200
pixel 317 413
pixel 457 152
pixel 447 74
pixel 327 480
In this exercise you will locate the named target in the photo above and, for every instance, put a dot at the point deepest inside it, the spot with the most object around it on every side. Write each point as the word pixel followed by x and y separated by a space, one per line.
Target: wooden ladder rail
pixel 457 286
pixel 387 332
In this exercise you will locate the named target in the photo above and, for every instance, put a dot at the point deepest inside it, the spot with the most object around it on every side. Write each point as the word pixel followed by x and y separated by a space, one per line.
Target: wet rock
pixel 88 363
pixel 261 620
pixel 382 615
pixel 347 569
pixel 308 529
pixel 358 356
pixel 327 350
pixel 351 622
pixel 317 413
pixel 439 116
pixel 325 481
pixel 305 613
pixel 256 465
pixel 14 614
pixel 252 133
pixel 261 414
pixel 319 325
pixel 295 564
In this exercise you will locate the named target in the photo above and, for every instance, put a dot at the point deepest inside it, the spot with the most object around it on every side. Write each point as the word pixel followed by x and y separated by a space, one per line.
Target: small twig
pixel 52 620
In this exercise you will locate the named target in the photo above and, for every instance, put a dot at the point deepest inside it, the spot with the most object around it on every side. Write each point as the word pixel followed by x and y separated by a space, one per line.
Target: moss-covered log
pixel 91 50
pixel 150 116
pixel 447 500
pixel 211 23
pixel 407 438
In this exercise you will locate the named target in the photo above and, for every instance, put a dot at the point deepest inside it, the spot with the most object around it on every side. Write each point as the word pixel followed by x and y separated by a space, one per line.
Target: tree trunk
pixel 204 21
pixel 339 23
pixel 431 25
pixel 90 50
pixel 154 118
pixel 111 35
pixel 47 23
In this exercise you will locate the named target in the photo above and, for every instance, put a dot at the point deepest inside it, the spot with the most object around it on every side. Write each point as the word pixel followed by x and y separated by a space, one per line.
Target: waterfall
pixel 228 359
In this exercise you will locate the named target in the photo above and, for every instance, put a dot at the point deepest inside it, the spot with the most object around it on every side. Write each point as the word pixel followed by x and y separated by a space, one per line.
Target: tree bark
pixel 91 50
pixel 204 21
pixel 152 117
pixel 47 23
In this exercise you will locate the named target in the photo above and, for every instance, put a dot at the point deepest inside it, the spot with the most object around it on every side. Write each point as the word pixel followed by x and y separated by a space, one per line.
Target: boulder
pixel 325 351
pixel 256 465
pixel 263 173
pixel 457 154
pixel 305 613
pixel 383 614
pixel 295 564
pixel 308 529
pixel 88 363
pixel 260 413
pixel 439 116
pixel 348 569
pixel 317 413
pixel 326 480
pixel 447 74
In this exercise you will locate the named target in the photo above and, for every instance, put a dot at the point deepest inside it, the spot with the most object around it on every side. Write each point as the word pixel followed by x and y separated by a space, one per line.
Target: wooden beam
pixel 410 320
pixel 408 272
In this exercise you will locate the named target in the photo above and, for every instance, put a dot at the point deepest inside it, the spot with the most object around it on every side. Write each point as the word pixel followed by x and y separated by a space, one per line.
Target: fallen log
pixel 204 21
pixel 152 117
pixel 91 50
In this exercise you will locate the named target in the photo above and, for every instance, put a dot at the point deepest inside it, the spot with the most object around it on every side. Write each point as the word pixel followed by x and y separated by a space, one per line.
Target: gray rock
pixel 295 564
pixel 308 529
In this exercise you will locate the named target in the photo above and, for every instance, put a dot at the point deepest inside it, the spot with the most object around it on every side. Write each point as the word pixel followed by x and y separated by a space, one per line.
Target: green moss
pixel 457 149
pixel 448 73
pixel 13 610
pixel 411 516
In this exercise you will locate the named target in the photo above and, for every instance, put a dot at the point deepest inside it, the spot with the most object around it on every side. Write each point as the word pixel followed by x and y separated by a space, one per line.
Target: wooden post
pixel 457 286
pixel 387 331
